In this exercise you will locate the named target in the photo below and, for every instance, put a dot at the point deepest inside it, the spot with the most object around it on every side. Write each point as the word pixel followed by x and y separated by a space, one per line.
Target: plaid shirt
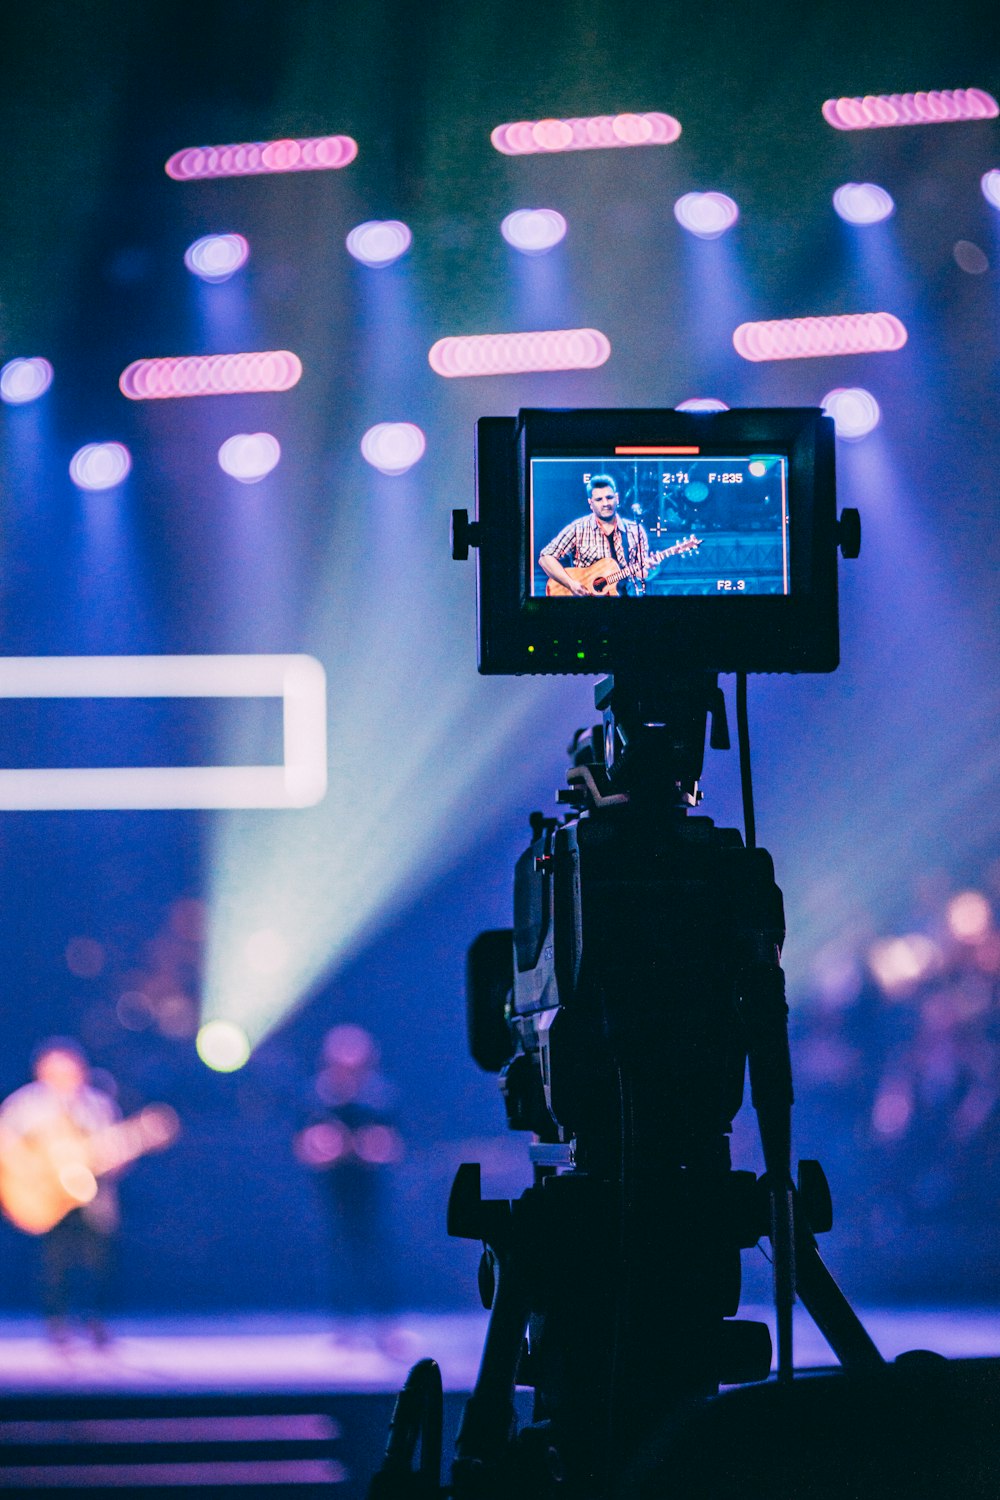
pixel 584 542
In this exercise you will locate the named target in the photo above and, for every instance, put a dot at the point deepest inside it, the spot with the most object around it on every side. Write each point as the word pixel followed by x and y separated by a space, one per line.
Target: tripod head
pixel 654 734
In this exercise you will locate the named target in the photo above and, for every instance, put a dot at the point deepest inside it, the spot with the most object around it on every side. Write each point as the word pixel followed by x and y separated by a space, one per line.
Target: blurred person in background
pixel 62 1142
pixel 351 1144
pixel 45 1128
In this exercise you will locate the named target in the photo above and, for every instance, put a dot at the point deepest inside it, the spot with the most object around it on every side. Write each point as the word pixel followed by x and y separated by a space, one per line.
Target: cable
pixel 746 780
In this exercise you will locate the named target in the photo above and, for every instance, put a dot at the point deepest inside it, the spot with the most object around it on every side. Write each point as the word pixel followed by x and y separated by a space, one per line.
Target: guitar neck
pixel 653 559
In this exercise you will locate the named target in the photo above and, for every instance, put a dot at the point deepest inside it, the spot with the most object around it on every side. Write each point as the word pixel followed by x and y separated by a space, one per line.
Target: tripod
pixel 646 977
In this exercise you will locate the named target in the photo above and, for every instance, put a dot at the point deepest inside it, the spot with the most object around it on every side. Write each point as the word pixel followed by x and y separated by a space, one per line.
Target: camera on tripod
pixel 641 978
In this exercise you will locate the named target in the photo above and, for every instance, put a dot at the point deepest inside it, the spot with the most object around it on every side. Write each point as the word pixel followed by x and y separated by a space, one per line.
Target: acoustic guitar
pixel 43 1177
pixel 604 576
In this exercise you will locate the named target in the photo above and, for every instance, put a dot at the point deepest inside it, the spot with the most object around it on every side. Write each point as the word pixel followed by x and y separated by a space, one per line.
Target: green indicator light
pixel 531 648
pixel 581 655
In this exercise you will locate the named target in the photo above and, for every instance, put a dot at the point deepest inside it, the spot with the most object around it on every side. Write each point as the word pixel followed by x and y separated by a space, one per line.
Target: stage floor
pixel 268 1353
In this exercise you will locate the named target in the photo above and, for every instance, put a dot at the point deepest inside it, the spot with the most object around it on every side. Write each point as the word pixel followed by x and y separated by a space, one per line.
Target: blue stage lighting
pixel 24 380
pixel 702 403
pixel 216 257
pixel 249 456
pixel 863 203
pixel 393 447
pixel 706 215
pixel 990 184
pixel 533 230
pixel 855 411
pixel 379 242
pixel 100 466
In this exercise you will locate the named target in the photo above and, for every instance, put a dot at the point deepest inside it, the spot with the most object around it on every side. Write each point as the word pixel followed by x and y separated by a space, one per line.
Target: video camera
pixel 642 975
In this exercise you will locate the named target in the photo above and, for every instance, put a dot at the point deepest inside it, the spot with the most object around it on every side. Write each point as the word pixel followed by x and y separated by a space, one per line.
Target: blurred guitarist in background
pixel 601 534
pixel 61 1142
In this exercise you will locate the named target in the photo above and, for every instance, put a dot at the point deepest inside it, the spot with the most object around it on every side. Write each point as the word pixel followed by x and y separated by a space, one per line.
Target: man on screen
pixel 601 537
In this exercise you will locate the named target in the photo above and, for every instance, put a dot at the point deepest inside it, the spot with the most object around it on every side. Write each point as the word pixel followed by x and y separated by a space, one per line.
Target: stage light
pixel 516 353
pixel 855 411
pixel 970 258
pixel 589 133
pixel 900 964
pixel 702 403
pixel 936 107
pixel 24 380
pixel 85 957
pixel 393 447
pixel 100 466
pixel 706 215
pixel 863 203
pixel 222 1046
pixel 969 917
pixel 216 257
pixel 299 781
pixel 533 230
pixel 990 184
pixel 210 375
pixel 379 242
pixel 813 338
pixel 249 456
pixel 322 153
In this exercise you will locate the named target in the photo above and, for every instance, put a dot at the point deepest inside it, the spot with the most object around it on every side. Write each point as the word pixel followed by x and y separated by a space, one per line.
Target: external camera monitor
pixel 664 541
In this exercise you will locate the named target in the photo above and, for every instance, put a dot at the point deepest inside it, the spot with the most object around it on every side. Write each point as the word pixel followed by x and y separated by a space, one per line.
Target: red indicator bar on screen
pixel 656 448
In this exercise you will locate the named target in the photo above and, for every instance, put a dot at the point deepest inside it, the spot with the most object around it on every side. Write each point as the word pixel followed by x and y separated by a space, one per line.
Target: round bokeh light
pixel 969 257
pixel 706 215
pixel 379 242
pixel 855 411
pixel 249 456
pixel 24 380
pixel 393 447
pixel 990 184
pixel 533 230
pixel 216 257
pixel 222 1046
pixel 863 203
pixel 100 466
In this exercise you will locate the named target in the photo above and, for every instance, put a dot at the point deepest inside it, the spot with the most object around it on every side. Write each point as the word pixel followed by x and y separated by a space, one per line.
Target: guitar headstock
pixel 686 544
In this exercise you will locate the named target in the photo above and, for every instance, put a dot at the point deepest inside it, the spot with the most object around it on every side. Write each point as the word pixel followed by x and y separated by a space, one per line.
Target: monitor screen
pixel 582 510
pixel 642 525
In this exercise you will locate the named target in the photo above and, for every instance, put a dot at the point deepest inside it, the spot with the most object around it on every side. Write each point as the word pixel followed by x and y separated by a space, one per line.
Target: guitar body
pixel 602 578
pixel 32 1175
pixel 595 577
pixel 44 1177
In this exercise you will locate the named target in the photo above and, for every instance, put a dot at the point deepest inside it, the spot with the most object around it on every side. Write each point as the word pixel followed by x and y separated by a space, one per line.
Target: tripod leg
pixel 484 1437
pixel 830 1310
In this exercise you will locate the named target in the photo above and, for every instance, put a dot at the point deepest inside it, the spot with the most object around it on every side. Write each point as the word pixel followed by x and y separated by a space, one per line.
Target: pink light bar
pixel 210 375
pixel 321 153
pixel 589 133
pixel 936 107
pixel 654 448
pixel 514 353
pixel 808 338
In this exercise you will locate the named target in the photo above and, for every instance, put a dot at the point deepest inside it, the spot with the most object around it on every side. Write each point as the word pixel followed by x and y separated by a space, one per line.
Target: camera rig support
pixel 641 978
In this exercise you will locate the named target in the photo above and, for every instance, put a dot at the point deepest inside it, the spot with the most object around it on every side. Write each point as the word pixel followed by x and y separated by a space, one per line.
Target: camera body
pixel 737 507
